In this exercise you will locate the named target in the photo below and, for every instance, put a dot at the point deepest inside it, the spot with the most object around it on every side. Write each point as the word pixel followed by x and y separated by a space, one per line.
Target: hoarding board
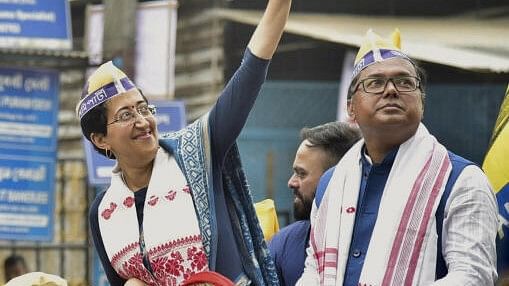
pixel 28 145
pixel 35 24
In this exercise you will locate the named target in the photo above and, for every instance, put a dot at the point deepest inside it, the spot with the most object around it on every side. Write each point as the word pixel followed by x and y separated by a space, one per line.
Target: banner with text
pixel 28 145
pixel 35 24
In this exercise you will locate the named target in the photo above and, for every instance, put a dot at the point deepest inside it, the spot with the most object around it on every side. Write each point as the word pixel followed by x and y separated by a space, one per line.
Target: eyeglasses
pixel 378 84
pixel 128 116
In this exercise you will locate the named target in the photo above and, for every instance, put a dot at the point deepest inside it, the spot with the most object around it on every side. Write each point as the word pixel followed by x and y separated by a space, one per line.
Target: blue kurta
pixel 374 178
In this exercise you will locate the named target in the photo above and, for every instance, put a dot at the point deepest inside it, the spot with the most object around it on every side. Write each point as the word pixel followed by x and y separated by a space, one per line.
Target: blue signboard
pixel 35 24
pixel 170 116
pixel 28 109
pixel 26 197
pixel 28 144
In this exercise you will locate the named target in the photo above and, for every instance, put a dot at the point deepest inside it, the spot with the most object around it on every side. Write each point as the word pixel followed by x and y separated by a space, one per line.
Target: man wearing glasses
pixel 399 208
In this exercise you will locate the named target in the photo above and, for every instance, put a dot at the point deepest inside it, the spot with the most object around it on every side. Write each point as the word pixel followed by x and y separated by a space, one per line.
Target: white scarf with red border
pixel 402 249
pixel 170 226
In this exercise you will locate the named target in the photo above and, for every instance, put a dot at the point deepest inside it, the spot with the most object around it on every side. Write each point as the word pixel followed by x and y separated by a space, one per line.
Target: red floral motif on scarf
pixel 189 272
pixel 129 202
pixel 186 189
pixel 171 262
pixel 171 195
pixel 174 265
pixel 134 268
pixel 153 200
pixel 198 258
pixel 158 265
pixel 106 213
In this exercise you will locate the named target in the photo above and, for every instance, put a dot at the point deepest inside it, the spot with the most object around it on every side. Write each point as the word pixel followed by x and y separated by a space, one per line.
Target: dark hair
pixel 14 259
pixel 11 262
pixel 335 138
pixel 419 71
pixel 95 121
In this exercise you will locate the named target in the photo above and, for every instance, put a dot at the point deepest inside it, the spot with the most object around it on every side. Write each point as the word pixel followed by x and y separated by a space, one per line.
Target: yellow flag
pixel 373 41
pixel 496 167
pixel 496 162
pixel 375 49
pixel 266 213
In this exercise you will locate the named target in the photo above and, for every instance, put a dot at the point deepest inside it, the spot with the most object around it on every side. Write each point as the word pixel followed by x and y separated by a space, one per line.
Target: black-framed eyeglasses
pixel 128 116
pixel 378 84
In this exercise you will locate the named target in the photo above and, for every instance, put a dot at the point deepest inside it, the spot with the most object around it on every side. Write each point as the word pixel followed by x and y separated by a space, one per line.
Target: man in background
pixel 14 266
pixel 321 148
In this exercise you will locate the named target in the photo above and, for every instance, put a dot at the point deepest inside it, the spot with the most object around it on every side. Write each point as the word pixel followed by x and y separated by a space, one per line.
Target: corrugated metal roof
pixel 467 42
pixel 51 53
pixel 52 59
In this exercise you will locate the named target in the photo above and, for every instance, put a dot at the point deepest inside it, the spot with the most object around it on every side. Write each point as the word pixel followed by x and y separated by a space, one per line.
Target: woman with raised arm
pixel 178 204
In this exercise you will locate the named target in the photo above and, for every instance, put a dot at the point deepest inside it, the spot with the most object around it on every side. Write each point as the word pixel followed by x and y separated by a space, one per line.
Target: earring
pixel 108 153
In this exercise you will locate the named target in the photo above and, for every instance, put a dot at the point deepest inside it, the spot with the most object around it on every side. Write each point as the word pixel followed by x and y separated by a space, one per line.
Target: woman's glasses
pixel 128 116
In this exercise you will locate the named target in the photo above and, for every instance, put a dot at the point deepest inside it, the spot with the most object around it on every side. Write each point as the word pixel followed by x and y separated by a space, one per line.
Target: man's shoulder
pixel 466 176
pixel 322 185
pixel 458 161
pixel 294 230
pixel 459 165
pixel 297 226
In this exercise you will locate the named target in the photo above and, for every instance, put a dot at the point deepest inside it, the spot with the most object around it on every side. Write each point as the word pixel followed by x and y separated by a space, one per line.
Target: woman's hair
pixel 95 121
pixel 14 265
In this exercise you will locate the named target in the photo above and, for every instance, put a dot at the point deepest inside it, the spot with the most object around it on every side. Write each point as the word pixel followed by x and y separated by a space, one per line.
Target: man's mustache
pixel 297 194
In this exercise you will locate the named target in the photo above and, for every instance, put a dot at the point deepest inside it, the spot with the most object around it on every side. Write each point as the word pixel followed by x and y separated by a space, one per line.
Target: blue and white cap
pixel 104 83
pixel 376 49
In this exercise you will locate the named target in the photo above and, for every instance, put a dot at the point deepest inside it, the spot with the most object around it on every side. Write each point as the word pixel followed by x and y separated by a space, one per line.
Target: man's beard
pixel 302 208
